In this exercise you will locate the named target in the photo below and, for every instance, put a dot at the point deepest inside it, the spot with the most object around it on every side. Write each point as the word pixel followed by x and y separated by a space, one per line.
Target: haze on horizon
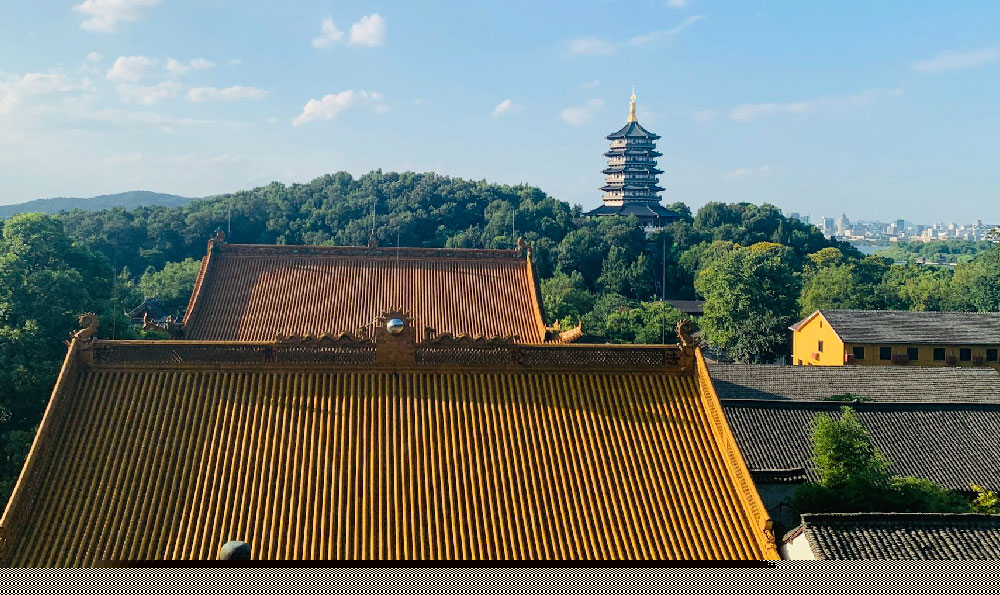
pixel 881 111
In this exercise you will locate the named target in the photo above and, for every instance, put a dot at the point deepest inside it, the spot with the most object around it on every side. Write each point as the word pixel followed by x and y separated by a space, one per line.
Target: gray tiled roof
pixel 901 536
pixel 952 444
pixel 935 328
pixel 877 383
pixel 689 306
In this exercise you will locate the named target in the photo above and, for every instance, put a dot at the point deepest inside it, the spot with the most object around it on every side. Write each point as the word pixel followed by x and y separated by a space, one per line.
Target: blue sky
pixel 881 110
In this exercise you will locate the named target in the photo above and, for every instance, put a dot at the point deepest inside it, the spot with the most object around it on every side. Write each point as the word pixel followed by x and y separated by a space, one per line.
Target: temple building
pixel 632 186
pixel 296 419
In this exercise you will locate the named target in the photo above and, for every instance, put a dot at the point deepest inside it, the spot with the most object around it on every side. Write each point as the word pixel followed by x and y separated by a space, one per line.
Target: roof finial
pixel 631 109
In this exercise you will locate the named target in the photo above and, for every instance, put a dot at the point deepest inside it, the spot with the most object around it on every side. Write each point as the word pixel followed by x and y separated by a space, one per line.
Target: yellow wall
pixel 805 343
pixel 925 355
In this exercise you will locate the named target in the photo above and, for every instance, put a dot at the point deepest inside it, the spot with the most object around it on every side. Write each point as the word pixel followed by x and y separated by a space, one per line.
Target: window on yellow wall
pixel 819 346
pixel 859 353
pixel 939 354
pixel 885 353
pixel 991 355
pixel 913 353
pixel 965 354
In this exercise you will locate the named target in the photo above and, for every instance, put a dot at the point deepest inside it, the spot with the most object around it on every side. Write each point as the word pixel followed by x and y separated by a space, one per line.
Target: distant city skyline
pixel 851 107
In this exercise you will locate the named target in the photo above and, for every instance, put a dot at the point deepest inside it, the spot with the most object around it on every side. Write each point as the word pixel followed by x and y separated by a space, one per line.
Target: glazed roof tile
pixel 930 328
pixel 253 292
pixel 901 536
pixel 633 130
pixel 649 208
pixel 168 450
pixel 876 383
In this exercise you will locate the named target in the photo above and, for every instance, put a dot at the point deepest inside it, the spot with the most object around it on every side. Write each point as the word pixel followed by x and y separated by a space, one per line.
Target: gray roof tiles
pixel 952 444
pixel 901 536
pixel 877 383
pixel 931 328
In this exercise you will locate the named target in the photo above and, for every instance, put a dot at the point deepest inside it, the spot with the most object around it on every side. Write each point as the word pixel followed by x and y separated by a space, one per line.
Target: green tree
pixel 855 477
pixel 46 281
pixel 582 250
pixel 751 298
pixel 976 285
pixel 565 297
pixel 647 323
pixel 838 283
pixel 172 285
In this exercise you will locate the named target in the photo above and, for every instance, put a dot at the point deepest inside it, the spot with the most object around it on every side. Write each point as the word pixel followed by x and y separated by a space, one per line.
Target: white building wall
pixel 797 549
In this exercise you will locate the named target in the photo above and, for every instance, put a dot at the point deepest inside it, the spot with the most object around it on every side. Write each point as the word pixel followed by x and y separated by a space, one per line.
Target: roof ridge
pixel 380 251
pixel 796 403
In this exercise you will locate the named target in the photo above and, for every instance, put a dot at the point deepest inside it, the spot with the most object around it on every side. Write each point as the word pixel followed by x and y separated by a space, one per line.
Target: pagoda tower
pixel 632 186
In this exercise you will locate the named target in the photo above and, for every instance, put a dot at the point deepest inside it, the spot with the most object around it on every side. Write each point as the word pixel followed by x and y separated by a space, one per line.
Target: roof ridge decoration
pixel 173 328
pixel 465 341
pixel 85 337
pixel 378 252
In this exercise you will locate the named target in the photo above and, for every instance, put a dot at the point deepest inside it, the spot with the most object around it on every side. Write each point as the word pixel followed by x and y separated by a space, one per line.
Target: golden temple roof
pixel 259 293
pixel 382 448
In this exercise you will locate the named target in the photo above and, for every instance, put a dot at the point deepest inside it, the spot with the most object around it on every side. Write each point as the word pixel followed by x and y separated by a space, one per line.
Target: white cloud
pixel 591 46
pixel 679 3
pixel 952 60
pixel 94 57
pixel 329 35
pixel 591 84
pixel 749 112
pixel 581 114
pixel 505 107
pixel 105 14
pixel 129 68
pixel 749 172
pixel 369 31
pixel 664 33
pixel 148 95
pixel 177 68
pixel 15 89
pixel 236 93
pixel 330 105
pixel 234 62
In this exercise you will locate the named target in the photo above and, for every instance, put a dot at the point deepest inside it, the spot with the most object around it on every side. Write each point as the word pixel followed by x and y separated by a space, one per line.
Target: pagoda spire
pixel 631 108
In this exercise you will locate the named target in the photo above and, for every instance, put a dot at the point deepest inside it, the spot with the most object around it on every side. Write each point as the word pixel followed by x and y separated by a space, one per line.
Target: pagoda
pixel 631 187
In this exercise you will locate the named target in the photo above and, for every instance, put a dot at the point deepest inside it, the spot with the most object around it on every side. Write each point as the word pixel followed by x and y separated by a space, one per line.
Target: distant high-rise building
pixel 827 225
pixel 631 186
pixel 842 224
pixel 900 225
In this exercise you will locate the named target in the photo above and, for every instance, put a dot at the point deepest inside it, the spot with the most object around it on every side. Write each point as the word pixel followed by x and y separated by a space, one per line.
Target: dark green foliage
pixel 855 477
pixel 750 298
pixel 172 285
pixel 565 297
pixel 648 323
pixel 46 281
pixel 946 251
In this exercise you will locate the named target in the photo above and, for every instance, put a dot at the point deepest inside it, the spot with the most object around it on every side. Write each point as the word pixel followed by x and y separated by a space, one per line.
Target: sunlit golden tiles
pixel 251 293
pixel 169 463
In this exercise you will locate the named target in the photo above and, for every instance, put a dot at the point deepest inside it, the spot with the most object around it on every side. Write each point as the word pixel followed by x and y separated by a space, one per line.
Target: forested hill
pixel 128 200
pixel 412 209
